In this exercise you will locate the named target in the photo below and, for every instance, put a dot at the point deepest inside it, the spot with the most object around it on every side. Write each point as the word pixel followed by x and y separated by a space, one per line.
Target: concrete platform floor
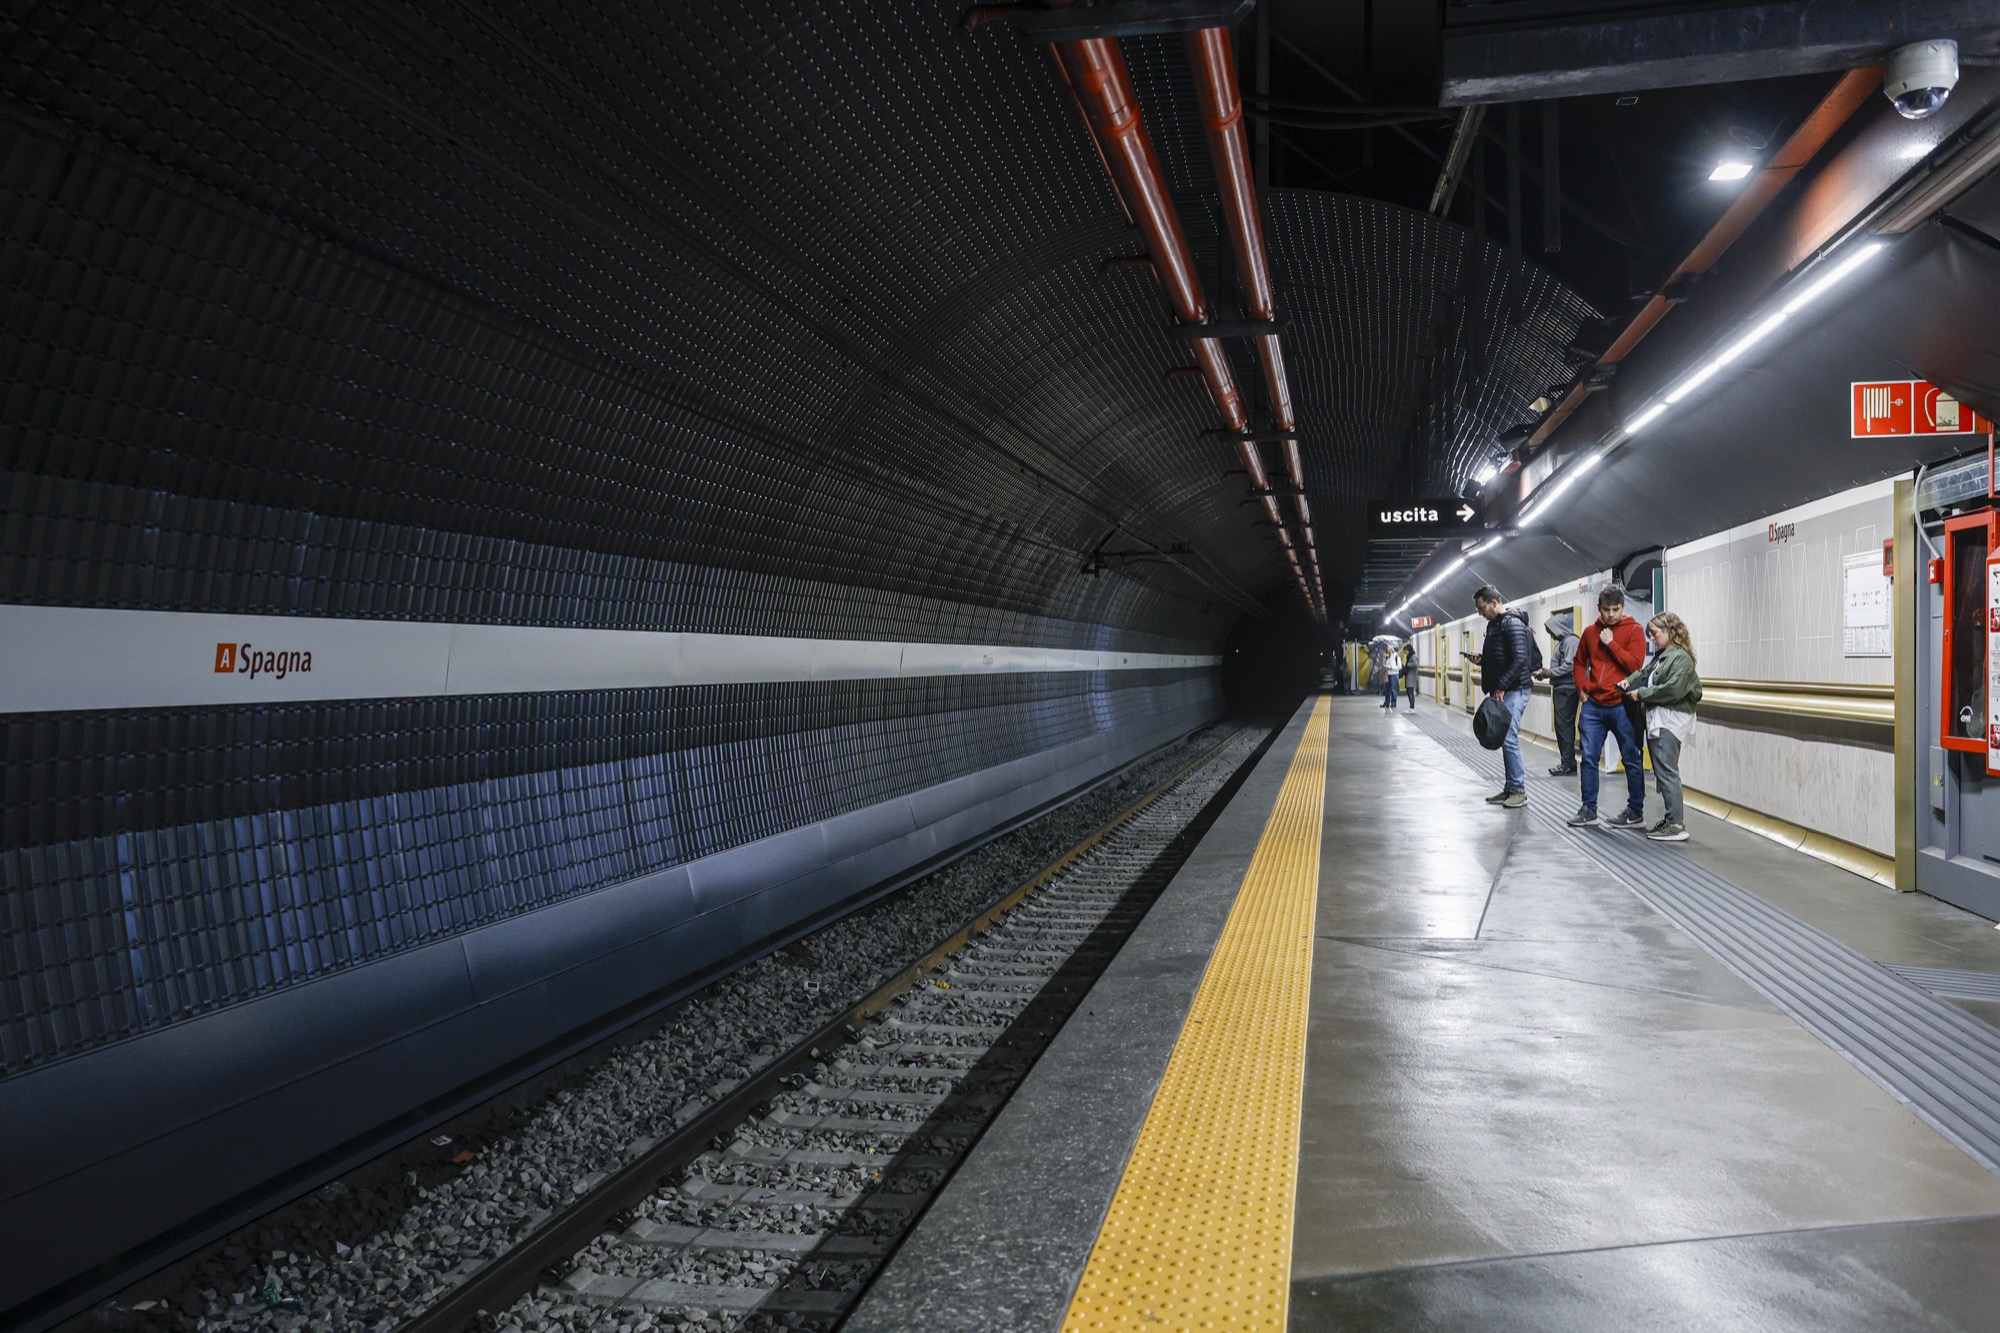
pixel 1532 1102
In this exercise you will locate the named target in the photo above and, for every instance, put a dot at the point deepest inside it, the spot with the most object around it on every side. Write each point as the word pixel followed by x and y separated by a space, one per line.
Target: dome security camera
pixel 1920 76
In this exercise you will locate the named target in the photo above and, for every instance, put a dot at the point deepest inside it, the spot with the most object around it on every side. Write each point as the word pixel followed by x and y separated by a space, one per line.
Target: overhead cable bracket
pixel 1102 558
pixel 1110 18
pixel 1232 328
pixel 1249 436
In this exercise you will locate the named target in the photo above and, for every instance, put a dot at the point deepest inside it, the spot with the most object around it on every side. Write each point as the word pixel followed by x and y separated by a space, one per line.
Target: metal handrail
pixel 1870 705
pixel 1826 689
pixel 1837 701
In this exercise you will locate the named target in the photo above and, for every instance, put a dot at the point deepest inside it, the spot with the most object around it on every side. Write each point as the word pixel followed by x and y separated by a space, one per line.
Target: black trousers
pixel 1566 701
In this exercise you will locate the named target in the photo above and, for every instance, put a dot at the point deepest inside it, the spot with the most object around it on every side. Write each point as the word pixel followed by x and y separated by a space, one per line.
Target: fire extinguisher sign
pixel 1992 663
pixel 1910 407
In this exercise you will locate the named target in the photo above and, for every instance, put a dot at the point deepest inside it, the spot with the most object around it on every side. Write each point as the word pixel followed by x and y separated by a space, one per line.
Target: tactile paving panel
pixel 1931 1056
pixel 1199 1234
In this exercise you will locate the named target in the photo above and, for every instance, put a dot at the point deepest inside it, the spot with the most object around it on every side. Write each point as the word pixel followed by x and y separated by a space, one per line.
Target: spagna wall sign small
pixel 243 659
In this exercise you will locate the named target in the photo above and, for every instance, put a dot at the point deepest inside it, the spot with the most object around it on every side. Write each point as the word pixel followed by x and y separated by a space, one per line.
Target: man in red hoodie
pixel 1609 650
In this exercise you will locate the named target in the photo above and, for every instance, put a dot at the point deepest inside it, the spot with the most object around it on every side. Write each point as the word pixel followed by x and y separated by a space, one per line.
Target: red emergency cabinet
pixel 1969 541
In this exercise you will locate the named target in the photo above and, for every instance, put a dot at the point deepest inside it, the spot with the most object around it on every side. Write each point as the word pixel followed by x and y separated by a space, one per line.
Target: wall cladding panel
pixel 132 909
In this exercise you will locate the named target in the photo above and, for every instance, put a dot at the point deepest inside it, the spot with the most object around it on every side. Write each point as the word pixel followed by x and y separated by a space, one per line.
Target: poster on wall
pixel 1864 617
pixel 1992 663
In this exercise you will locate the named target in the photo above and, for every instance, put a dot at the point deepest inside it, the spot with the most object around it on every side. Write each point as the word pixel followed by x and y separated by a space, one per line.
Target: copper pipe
pixel 1096 73
pixel 1834 110
pixel 1213 58
pixel 1097 146
pixel 1211 54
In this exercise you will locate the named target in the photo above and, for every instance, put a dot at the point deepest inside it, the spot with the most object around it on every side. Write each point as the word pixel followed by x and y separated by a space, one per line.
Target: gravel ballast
pixel 370 1252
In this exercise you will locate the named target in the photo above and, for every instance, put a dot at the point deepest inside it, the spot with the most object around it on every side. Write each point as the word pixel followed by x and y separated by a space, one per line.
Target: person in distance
pixel 1382 661
pixel 1609 649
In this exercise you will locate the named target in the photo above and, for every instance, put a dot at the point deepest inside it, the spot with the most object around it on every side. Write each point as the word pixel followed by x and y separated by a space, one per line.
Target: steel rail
pixel 514 1274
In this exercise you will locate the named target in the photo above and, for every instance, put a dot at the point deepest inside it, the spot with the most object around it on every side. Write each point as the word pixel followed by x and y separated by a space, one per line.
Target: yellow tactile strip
pixel 1199 1235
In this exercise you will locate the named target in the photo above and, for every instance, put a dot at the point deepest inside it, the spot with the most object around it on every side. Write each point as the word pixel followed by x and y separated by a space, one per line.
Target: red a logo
pixel 225 657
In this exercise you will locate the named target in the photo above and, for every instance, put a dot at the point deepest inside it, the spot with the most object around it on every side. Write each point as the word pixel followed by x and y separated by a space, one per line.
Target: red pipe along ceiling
pixel 1095 70
pixel 1211 53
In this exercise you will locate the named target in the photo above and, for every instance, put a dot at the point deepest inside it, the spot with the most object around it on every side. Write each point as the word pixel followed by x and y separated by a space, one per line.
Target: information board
pixel 1864 614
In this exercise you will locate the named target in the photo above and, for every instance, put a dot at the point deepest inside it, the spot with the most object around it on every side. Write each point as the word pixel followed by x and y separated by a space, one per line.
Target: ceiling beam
pixel 1610 49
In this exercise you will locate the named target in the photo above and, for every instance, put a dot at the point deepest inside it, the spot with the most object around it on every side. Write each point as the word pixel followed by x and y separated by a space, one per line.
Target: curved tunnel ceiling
pixel 1774 430
pixel 770 288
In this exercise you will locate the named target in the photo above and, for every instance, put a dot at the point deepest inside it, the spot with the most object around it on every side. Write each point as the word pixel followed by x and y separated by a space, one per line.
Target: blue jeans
pixel 1389 690
pixel 1510 749
pixel 1597 719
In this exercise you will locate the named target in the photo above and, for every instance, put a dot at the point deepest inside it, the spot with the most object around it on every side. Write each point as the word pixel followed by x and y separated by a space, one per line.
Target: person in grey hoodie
pixel 1562 690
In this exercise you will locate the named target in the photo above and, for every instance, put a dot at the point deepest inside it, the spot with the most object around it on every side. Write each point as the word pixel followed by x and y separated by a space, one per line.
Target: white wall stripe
pixel 66 658
pixel 1832 504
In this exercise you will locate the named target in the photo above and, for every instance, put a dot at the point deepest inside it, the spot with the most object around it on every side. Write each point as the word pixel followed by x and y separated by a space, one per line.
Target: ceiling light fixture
pixel 1769 325
pixel 1645 418
pixel 1486 473
pixel 1731 169
pixel 1441 576
pixel 1820 286
pixel 1727 356
pixel 1552 492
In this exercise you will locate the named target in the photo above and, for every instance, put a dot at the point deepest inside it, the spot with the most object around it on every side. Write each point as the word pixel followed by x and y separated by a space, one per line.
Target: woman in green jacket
pixel 1670 689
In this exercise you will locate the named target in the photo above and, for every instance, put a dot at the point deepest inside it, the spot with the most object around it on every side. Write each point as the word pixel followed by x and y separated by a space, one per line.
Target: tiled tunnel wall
pixel 227 395
pixel 161 864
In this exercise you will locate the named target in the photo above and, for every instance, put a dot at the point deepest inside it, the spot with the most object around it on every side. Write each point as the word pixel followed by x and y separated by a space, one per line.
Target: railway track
pixel 780 1217
pixel 762 1145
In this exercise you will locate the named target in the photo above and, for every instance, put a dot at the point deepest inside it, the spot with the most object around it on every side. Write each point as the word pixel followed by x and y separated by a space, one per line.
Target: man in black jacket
pixel 1507 662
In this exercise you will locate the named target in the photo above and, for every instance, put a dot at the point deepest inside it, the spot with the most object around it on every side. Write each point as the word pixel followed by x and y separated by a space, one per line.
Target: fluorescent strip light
pixel 1730 171
pixel 1441 576
pixel 1771 323
pixel 1820 286
pixel 1541 506
pixel 1562 484
pixel 1727 356
pixel 1486 546
pixel 1646 418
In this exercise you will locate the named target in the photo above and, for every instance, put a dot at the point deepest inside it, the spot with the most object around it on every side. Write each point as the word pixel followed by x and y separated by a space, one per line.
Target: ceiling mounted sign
pixel 1443 516
pixel 1910 407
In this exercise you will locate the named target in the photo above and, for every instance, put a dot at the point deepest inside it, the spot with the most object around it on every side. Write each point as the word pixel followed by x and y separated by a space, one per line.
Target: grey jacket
pixel 1561 664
